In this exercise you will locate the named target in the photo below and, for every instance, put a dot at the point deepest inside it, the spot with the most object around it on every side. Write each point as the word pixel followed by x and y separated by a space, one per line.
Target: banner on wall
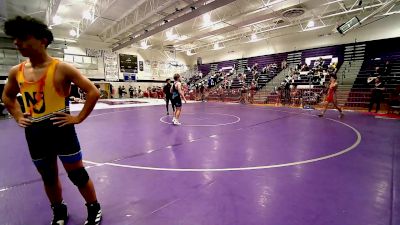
pixel 140 65
pixel 110 66
pixel 128 63
pixel 94 52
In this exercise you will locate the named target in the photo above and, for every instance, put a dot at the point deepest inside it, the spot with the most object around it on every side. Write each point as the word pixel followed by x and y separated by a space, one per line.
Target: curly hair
pixel 21 27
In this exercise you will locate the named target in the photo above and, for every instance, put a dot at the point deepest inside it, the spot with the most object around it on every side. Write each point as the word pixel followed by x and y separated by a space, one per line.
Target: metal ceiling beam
pixel 378 10
pixel 171 16
pixel 186 17
pixel 51 10
pixel 381 6
pixel 140 14
pixel 241 24
pixel 123 16
pixel 100 7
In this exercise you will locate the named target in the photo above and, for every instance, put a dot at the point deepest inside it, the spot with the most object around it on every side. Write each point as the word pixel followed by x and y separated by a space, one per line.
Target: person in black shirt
pixel 387 69
pixel 376 95
pixel 168 95
pixel 130 91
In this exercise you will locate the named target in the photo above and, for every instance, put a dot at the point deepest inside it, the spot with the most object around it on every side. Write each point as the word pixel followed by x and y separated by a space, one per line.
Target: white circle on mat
pixel 236 120
pixel 339 153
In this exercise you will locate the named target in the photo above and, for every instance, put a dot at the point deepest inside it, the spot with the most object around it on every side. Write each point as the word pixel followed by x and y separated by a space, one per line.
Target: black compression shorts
pixel 46 141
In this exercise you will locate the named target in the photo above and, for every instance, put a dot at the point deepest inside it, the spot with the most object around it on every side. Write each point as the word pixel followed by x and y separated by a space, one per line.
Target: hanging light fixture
pixel 310 24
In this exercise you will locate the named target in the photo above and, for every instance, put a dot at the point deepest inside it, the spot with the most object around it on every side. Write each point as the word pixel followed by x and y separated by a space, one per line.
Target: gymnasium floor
pixel 228 164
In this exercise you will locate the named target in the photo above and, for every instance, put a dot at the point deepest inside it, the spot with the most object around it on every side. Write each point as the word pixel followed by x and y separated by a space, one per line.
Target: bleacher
pixel 262 62
pixel 377 54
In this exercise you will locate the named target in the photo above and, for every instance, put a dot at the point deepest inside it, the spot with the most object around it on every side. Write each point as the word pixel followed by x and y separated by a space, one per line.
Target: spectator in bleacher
pixel 376 94
pixel 378 72
pixel 294 74
pixel 318 64
pixel 298 66
pixel 304 68
pixel 264 70
pixel 332 69
pixel 331 97
pixel 387 69
pixel 256 75
pixel 283 64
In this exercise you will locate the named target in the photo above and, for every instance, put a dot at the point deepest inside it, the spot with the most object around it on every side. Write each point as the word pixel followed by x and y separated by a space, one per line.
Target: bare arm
pixel 92 95
pixel 181 92
pixel 9 97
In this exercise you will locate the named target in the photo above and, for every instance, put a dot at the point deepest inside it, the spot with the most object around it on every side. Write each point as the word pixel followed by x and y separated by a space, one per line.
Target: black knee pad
pixel 79 177
pixel 49 177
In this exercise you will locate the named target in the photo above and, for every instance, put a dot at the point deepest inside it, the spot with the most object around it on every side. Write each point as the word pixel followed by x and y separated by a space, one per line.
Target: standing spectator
pixel 376 95
pixel 202 94
pixel 111 91
pixel 120 91
pixel 139 92
pixel 123 91
pixel 168 95
pixel 387 69
pixel 221 92
pixel 130 91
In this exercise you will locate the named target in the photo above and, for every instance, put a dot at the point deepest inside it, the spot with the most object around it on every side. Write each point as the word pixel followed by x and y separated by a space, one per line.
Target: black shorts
pixel 48 141
pixel 177 102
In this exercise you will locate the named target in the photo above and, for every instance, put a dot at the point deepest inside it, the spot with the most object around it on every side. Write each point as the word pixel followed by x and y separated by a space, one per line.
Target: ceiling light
pixel 183 37
pixel 218 46
pixel 57 20
pixel 72 32
pixel 207 18
pixel 169 33
pixel 253 37
pixel 65 40
pixel 190 52
pixel 145 44
pixel 310 24
pixel 87 15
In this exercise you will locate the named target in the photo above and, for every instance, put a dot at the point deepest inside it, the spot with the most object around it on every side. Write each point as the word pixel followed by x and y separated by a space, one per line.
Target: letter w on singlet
pixel 35 101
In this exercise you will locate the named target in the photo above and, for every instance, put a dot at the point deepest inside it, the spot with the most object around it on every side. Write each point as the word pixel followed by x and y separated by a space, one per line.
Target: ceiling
pixel 125 23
